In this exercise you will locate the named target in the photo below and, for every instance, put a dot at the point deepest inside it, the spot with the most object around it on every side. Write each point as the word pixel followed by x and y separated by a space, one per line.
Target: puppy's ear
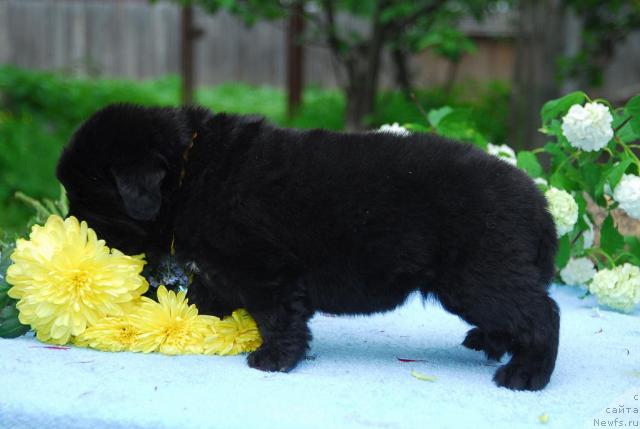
pixel 140 185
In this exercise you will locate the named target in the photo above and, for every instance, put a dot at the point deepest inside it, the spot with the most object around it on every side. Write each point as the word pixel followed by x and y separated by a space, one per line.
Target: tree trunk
pixel 360 91
pixel 403 76
pixel 540 42
pixel 363 68
pixel 186 54
pixel 295 58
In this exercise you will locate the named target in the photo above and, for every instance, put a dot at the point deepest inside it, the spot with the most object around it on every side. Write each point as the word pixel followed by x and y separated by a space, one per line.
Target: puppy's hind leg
pixel 535 348
pixel 283 327
pixel 520 319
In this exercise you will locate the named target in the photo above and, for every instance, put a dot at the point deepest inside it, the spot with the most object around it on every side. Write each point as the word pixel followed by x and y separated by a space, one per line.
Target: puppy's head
pixel 120 166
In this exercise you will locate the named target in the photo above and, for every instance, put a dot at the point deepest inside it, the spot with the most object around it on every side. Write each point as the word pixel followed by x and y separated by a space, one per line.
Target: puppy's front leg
pixel 202 293
pixel 283 325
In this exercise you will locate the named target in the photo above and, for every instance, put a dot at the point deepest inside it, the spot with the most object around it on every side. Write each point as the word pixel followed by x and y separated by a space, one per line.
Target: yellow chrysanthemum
pixel 170 326
pixel 66 279
pixel 234 334
pixel 111 334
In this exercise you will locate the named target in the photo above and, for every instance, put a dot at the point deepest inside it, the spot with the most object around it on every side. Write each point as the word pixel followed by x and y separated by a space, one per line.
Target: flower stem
pixel 622 124
pixel 570 158
pixel 601 252
pixel 624 254
pixel 628 151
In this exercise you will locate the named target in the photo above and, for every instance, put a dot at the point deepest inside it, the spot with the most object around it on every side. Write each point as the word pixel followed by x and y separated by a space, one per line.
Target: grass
pixel 39 112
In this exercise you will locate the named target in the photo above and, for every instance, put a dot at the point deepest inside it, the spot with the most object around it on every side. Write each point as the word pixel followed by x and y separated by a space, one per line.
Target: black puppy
pixel 286 223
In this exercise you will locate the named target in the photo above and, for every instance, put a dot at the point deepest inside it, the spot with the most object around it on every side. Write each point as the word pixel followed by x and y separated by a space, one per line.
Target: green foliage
pixel 633 110
pixel 486 106
pixel 529 163
pixel 45 207
pixel 611 241
pixel 479 120
pixel 552 109
pixel 10 326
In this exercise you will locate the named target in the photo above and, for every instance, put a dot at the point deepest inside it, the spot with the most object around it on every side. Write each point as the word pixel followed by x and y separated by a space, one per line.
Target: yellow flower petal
pixel 234 334
pixel 170 325
pixel 66 279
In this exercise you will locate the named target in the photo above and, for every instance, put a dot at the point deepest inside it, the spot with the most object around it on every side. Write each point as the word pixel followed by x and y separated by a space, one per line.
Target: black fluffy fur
pixel 286 223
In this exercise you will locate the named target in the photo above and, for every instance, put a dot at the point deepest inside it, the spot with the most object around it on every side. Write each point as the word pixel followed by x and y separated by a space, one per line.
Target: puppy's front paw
pixel 494 346
pixel 474 340
pixel 269 358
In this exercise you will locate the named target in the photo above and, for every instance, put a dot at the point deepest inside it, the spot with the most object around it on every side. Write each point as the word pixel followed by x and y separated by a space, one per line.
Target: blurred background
pixel 338 64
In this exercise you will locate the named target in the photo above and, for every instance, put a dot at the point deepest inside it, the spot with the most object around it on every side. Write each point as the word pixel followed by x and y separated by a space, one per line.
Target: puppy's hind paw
pixel 272 359
pixel 521 377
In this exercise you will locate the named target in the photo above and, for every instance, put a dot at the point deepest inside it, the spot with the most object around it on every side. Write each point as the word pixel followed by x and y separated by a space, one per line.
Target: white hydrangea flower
pixel 627 194
pixel 578 271
pixel 541 181
pixel 618 288
pixel 394 128
pixel 563 208
pixel 503 152
pixel 589 127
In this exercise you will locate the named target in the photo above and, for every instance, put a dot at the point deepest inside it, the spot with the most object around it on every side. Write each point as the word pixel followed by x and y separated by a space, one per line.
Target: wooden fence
pixel 132 38
pixel 139 40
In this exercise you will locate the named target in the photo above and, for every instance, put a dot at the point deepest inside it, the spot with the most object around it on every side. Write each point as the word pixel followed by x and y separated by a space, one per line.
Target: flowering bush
pixel 592 163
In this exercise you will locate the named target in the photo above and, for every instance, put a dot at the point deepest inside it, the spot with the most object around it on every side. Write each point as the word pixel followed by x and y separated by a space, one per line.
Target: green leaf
pixel 419 128
pixel 633 243
pixel 582 209
pixel 459 124
pixel 611 240
pixel 623 124
pixel 4 298
pixel 591 174
pixel 557 154
pixel 564 251
pixel 560 181
pixel 63 202
pixel 435 116
pixel 633 108
pixel 616 172
pixel 529 163
pixel 554 108
pixel 10 326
